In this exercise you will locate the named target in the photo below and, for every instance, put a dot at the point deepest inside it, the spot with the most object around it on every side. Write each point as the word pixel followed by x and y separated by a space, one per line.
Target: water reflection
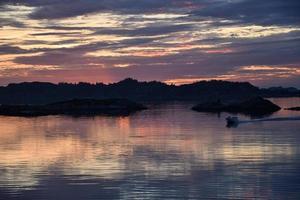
pixel 164 152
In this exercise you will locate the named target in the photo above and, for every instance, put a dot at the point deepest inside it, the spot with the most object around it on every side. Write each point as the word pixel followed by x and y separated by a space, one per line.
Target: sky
pixel 175 41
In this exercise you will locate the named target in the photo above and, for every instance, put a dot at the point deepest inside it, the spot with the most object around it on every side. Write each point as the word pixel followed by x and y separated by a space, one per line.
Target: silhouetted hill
pixel 43 93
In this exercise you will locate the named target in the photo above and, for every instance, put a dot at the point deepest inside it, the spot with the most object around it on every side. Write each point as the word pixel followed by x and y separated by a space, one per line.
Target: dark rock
pixel 209 106
pixel 293 108
pixel 74 107
pixel 255 106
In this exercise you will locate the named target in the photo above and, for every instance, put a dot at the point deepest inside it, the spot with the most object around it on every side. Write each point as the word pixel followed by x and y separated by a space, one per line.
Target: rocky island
pixel 252 106
pixel 119 107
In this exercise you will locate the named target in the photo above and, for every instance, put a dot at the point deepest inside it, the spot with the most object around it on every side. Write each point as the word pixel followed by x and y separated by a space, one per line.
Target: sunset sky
pixel 175 41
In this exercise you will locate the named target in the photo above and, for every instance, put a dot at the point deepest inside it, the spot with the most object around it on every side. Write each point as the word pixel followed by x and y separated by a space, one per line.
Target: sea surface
pixel 166 152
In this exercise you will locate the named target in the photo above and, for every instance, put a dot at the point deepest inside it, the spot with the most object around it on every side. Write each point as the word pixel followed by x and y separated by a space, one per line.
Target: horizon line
pixel 167 82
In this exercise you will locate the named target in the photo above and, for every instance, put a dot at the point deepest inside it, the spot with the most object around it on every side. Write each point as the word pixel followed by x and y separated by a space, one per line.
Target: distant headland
pixel 45 93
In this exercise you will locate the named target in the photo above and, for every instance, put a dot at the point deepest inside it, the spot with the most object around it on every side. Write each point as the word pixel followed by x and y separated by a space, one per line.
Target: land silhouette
pixel 38 98
pixel 253 106
pixel 75 107
pixel 45 93
pixel 293 108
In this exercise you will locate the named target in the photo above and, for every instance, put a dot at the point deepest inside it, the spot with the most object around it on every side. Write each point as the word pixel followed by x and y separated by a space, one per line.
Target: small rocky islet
pixel 75 107
pixel 251 106
pixel 293 108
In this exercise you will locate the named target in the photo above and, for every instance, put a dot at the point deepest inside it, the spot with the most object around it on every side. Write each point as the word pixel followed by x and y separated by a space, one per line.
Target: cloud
pixel 7 49
pixel 148 39
pixel 54 9
pixel 274 12
pixel 247 11
pixel 10 22
pixel 150 30
pixel 56 33
pixel 279 12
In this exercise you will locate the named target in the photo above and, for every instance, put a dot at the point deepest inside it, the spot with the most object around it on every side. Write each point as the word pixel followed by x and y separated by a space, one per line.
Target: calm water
pixel 166 152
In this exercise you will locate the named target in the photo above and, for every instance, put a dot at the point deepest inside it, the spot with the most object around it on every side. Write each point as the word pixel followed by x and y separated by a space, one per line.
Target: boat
pixel 233 121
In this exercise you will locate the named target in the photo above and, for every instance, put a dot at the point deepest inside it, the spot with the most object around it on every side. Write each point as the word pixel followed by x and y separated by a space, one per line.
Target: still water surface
pixel 165 152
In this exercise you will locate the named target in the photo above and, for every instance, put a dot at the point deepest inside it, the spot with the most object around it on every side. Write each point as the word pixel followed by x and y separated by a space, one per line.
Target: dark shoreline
pixel 75 107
